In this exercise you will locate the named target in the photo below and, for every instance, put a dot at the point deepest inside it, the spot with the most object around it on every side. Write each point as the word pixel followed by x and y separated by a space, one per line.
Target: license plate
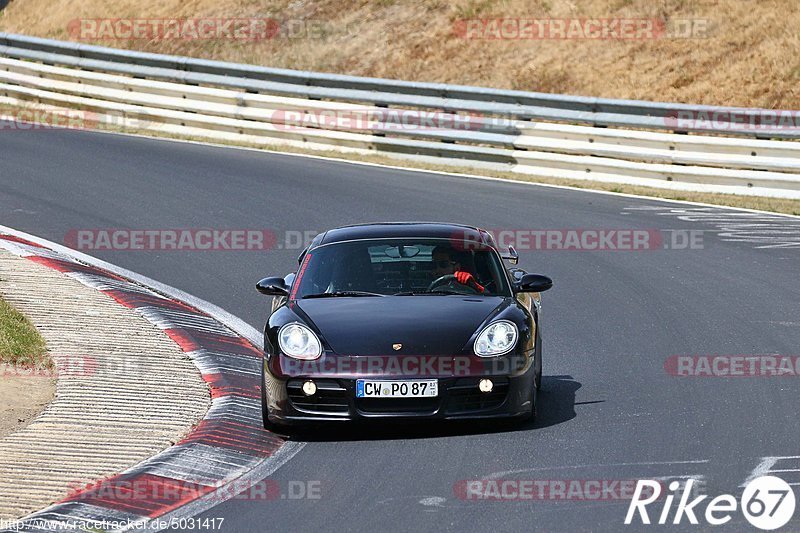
pixel 397 389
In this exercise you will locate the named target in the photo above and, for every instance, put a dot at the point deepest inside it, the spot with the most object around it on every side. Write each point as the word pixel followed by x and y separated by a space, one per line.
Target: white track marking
pixel 762 469
pixel 698 487
pixel 433 501
pixel 685 476
pixel 765 231
pixel 494 475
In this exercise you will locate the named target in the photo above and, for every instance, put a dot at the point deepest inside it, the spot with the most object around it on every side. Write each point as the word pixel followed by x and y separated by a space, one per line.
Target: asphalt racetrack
pixel 610 409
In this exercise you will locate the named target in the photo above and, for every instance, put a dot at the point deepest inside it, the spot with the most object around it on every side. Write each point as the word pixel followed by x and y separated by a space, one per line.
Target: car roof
pixel 381 230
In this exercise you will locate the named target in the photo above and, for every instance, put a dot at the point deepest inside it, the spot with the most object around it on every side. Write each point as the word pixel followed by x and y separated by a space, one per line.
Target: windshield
pixel 403 267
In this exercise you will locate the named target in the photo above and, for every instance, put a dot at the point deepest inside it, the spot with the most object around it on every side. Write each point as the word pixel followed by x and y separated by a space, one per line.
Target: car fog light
pixel 485 385
pixel 309 388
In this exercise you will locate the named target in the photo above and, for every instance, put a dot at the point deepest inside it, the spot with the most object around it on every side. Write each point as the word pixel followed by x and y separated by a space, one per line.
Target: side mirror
pixel 512 256
pixel 300 257
pixel 273 287
pixel 534 283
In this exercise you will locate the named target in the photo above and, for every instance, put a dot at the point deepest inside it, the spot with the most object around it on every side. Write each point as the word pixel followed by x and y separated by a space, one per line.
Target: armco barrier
pixel 535 133
pixel 586 104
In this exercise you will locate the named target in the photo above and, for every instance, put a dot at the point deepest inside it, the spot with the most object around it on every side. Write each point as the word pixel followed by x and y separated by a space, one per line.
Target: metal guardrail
pixel 519 104
pixel 229 101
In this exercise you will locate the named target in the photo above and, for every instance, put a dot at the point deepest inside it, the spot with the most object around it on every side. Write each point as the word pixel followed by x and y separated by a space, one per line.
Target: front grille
pixel 330 398
pixel 466 398
pixel 414 406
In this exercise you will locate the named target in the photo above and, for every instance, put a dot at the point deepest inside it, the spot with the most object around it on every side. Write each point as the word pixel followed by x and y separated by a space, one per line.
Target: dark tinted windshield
pixel 404 266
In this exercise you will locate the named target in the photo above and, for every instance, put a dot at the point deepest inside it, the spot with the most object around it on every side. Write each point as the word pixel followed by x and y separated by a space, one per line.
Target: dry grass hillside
pixel 747 52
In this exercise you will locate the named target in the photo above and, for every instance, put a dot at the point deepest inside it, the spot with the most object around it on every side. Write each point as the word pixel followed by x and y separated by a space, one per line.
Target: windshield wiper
pixel 420 293
pixel 335 294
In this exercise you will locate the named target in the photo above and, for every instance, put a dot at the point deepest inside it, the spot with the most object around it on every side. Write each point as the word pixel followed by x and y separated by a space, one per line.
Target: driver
pixel 446 262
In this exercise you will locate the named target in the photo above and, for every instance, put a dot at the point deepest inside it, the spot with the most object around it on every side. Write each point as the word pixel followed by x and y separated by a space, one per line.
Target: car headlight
pixel 496 339
pixel 296 340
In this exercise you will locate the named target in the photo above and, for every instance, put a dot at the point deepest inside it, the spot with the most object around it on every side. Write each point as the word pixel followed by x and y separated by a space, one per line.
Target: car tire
pixel 531 415
pixel 535 401
pixel 264 411
pixel 269 426
pixel 537 383
pixel 539 363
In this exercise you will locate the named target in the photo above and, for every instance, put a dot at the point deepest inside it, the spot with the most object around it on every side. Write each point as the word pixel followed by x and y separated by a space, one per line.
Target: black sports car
pixel 402 320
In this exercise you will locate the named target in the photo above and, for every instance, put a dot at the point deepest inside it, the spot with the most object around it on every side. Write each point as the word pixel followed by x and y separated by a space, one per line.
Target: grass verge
pixel 20 343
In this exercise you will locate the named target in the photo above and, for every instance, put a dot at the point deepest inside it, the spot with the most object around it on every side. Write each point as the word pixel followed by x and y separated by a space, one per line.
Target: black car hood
pixel 424 325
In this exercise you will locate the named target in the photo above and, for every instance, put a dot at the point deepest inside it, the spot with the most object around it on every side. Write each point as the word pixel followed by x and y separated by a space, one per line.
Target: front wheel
pixel 264 410
pixel 531 416
pixel 269 426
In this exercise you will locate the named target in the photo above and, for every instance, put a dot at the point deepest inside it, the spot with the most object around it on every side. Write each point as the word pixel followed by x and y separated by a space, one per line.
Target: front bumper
pixel 458 398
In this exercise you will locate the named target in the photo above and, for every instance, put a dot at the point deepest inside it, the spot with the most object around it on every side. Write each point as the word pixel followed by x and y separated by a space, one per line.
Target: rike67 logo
pixel 767 502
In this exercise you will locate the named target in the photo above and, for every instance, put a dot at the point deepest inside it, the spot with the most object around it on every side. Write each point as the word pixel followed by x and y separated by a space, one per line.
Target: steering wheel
pixel 442 280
